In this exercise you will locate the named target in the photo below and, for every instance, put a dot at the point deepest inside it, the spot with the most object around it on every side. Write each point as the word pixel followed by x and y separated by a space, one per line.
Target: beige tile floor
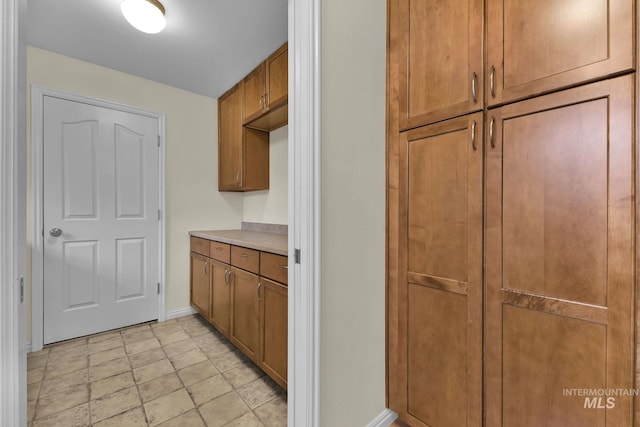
pixel 178 373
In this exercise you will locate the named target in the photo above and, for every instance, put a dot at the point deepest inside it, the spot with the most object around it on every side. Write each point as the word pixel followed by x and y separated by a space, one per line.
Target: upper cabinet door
pixel 537 46
pixel 255 92
pixel 278 78
pixel 438 45
pixel 230 143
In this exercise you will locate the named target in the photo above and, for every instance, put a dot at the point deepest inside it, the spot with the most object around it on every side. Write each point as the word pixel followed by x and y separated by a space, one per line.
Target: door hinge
pixel 296 256
pixel 158 288
pixel 43 232
pixel 21 280
pixel 159 214
pixel 158 140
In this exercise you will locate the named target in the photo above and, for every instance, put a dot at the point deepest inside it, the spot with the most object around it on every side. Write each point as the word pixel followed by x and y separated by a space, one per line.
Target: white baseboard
pixel 385 419
pixel 179 313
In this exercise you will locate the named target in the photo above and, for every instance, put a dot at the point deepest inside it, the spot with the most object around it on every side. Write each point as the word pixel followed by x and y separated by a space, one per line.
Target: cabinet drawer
pixel 200 246
pixel 220 251
pixel 274 267
pixel 246 259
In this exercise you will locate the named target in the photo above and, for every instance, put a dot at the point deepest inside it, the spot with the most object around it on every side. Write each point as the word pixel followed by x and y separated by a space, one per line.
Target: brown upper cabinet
pixel 266 93
pixel 534 47
pixel 243 154
pixel 436 55
pixel 255 92
pixel 247 113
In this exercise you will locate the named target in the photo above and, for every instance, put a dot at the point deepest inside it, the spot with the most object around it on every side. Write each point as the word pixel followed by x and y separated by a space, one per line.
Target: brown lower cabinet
pixel 245 317
pixel 273 322
pixel 200 283
pixel 221 297
pixel 248 307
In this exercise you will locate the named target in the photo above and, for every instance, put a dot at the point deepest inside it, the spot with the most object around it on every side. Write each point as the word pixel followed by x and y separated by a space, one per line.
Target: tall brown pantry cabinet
pixel 511 212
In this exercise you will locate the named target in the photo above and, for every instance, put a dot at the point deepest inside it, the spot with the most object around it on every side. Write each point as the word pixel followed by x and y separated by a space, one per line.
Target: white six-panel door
pixel 101 234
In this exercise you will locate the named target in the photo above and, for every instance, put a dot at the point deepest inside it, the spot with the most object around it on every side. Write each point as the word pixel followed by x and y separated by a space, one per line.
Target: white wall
pixel 192 198
pixel 352 365
pixel 270 206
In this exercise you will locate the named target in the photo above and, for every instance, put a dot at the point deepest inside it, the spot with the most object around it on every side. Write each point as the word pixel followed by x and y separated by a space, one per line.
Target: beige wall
pixel 352 365
pixel 192 198
pixel 270 206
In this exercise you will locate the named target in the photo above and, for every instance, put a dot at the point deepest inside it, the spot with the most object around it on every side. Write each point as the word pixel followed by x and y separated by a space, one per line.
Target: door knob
pixel 55 232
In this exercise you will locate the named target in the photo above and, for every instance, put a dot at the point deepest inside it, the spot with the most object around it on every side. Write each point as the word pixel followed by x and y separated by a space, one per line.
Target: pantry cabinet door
pixel 537 46
pixel 559 257
pixel 440 46
pixel 440 301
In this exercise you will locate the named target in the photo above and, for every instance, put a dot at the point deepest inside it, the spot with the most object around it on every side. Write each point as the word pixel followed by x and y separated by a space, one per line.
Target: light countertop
pixel 259 240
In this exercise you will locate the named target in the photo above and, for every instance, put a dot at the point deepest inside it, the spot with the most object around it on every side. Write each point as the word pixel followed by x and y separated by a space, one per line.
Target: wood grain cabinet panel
pixel 220 297
pixel 559 256
pixel 441 44
pixel 539 46
pixel 273 330
pixel 245 258
pixel 200 283
pixel 255 92
pixel 200 246
pixel 441 294
pixel 278 78
pixel 243 153
pixel 274 267
pixel 245 312
pixel 274 98
pixel 220 251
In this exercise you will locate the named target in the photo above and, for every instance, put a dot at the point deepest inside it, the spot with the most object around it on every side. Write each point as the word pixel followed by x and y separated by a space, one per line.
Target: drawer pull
pixel 492 72
pixel 493 144
pixel 474 94
pixel 473 135
pixel 284 266
pixel 219 248
pixel 244 255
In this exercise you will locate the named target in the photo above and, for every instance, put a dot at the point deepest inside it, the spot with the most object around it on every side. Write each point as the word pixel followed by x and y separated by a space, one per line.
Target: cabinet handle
pixel 493 144
pixel 491 85
pixel 262 102
pixel 473 135
pixel 259 286
pixel 284 266
pixel 226 276
pixel 266 101
pixel 244 255
pixel 230 277
pixel 206 270
pixel 238 177
pixel 474 80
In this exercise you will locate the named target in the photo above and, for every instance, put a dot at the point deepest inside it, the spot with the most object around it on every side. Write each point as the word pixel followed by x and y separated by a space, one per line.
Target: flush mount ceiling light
pixel 144 15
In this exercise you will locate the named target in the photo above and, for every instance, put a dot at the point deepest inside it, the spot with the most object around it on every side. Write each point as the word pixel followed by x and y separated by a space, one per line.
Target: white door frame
pixel 304 213
pixel 13 397
pixel 37 172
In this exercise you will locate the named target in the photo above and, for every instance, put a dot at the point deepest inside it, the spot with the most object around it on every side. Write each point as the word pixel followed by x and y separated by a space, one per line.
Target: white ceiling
pixel 206 47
